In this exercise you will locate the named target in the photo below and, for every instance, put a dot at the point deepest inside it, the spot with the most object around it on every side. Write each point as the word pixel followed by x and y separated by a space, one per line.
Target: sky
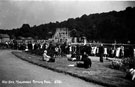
pixel 14 13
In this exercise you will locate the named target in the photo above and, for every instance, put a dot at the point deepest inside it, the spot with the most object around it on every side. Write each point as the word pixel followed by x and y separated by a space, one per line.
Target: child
pixel 45 56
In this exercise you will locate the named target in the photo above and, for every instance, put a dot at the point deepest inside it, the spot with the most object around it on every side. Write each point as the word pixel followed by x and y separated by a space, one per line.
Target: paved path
pixel 15 72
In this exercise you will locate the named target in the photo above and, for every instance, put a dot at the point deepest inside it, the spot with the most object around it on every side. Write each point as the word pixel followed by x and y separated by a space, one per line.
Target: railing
pixel 109 44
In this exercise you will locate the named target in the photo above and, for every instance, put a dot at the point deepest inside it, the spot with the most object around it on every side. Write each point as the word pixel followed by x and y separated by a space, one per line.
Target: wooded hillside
pixel 104 27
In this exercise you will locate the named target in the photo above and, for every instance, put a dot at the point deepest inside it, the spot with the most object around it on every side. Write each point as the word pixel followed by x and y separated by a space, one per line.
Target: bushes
pixel 123 64
pixel 129 63
pixel 117 64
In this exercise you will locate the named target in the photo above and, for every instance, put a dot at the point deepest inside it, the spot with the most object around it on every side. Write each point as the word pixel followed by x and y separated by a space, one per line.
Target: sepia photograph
pixel 67 43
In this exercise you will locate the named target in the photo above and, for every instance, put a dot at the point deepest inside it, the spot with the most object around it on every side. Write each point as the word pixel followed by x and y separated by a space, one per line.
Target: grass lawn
pixel 98 73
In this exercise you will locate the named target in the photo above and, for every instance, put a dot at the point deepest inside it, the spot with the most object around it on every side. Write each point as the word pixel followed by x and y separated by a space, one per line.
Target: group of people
pixel 77 52
pixel 63 49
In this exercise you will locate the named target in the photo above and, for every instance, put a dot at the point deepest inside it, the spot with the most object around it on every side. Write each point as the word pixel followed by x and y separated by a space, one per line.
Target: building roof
pixel 4 36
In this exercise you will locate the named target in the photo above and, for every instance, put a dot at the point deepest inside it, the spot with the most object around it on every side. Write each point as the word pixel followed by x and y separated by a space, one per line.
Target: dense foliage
pixel 106 27
pixel 123 64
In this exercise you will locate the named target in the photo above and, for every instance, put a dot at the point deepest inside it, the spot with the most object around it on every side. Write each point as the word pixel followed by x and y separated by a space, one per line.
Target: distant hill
pixel 105 27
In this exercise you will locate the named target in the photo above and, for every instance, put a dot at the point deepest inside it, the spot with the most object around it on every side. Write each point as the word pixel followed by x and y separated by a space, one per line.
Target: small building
pixel 4 38
pixel 62 36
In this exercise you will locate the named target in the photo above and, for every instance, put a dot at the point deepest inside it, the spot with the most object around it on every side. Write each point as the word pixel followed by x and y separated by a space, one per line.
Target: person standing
pixel 105 53
pixel 118 52
pixel 101 52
